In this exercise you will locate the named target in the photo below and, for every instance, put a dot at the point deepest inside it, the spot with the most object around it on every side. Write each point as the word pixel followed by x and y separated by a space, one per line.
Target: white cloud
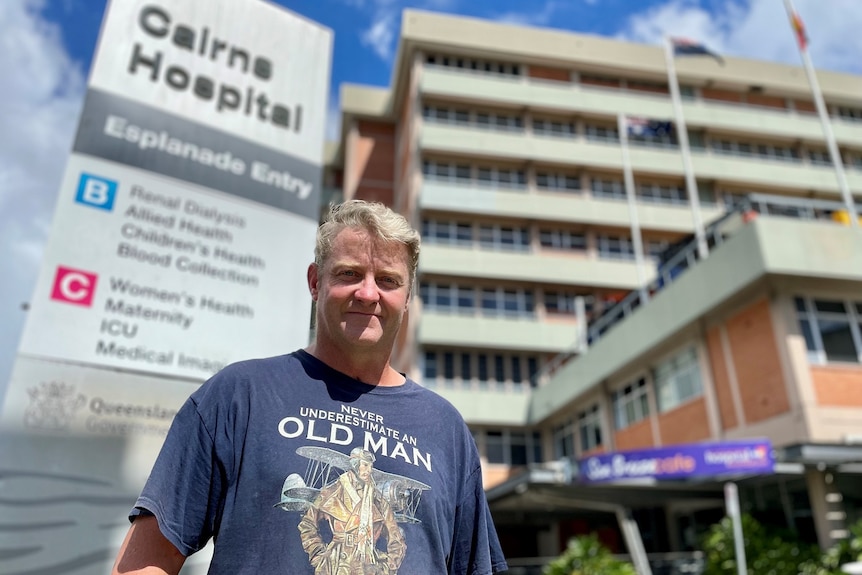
pixel 380 36
pixel 39 107
pixel 758 29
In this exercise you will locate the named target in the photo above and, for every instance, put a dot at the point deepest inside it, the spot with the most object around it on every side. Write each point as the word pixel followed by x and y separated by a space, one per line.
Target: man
pixel 357 516
pixel 255 422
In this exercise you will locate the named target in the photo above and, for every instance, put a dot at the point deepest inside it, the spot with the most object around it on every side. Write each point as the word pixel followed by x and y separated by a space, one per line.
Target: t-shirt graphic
pixel 350 512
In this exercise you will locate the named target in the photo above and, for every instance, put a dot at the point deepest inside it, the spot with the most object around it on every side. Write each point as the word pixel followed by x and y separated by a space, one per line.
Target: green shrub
pixel 767 552
pixel 585 555
pixel 847 551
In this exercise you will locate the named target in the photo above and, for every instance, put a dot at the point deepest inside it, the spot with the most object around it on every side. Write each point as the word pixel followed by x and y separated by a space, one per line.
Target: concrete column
pixel 827 507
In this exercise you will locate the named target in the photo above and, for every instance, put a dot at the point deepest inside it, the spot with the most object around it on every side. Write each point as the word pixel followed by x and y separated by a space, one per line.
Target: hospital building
pixel 557 342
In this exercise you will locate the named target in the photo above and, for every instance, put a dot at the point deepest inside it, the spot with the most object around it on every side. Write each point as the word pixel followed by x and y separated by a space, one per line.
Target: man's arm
pixel 146 551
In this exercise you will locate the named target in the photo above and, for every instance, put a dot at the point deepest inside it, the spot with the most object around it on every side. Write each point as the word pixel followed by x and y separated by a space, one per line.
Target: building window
pixel 558 182
pixel 511 302
pixel 614 247
pixel 832 329
pixel 819 157
pixel 499 121
pixel 464 117
pixel 559 302
pixel 482 372
pixel 563 240
pixel 657 193
pixel 515 448
pixel 850 114
pixel 473 65
pixel 446 171
pixel 448 366
pixel 501 177
pixel 462 299
pixel 555 128
pixel 598 133
pixel 495 449
pixel 466 365
pixel 501 238
pixel 467 370
pixel 590 428
pixel 563 438
pixel 447 232
pixel 429 367
pixel 678 379
pixel 631 404
pixel 607 189
pixel 532 370
pixel 748 149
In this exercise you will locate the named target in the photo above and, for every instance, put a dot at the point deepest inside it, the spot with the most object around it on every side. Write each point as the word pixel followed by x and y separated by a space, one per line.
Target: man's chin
pixel 364 339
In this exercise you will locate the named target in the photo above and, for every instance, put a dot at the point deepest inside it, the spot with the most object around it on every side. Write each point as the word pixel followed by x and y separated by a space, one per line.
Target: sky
pixel 46 47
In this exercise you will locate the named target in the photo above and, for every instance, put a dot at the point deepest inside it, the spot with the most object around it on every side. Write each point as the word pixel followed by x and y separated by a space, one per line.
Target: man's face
pixel 361 292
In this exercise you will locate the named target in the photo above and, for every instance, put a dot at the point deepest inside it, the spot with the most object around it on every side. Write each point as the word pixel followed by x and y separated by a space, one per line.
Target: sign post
pixel 731 499
pixel 183 228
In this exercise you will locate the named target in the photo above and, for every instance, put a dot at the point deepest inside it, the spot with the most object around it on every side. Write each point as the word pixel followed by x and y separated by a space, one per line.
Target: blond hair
pixel 373 217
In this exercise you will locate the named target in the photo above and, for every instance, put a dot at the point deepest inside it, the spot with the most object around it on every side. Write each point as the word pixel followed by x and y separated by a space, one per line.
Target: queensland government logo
pixel 52 405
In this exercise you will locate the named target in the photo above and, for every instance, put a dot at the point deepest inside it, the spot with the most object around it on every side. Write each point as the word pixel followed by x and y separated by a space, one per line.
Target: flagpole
pixel 629 179
pixel 682 136
pixel 832 146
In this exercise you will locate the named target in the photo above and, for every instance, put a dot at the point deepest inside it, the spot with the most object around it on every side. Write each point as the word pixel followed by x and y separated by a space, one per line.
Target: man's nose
pixel 367 289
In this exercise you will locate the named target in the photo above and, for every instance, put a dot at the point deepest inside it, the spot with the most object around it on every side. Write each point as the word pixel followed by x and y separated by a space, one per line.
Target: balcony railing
pixel 682 256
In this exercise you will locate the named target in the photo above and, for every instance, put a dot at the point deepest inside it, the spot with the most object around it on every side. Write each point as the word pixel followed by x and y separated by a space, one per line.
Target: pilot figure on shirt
pixel 358 516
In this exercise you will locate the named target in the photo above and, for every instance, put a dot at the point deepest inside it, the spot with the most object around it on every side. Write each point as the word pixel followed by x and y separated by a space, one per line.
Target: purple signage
pixel 680 461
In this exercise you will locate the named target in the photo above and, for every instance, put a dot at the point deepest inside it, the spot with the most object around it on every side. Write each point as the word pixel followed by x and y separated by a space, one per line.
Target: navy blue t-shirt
pixel 259 458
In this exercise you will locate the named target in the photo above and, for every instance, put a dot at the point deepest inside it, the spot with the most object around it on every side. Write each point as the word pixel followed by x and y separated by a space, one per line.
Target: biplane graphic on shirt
pixel 351 511
pixel 324 468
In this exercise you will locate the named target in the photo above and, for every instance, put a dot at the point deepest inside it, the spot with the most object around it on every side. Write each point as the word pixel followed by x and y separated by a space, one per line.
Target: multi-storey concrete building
pixel 501 144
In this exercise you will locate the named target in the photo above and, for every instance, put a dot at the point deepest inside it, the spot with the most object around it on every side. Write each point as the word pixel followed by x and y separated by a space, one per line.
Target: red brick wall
pixel 635 436
pixel 685 424
pixel 372 161
pixel 838 386
pixel 758 366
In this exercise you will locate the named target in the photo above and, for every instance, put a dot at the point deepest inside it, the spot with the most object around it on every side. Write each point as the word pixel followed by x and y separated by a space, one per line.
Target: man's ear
pixel 313 280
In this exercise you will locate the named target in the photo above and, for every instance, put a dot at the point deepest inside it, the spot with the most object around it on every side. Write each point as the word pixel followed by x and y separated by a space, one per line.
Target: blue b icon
pixel 96 192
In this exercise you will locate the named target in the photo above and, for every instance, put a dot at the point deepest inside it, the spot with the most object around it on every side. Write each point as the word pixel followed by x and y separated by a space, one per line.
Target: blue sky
pixel 46 47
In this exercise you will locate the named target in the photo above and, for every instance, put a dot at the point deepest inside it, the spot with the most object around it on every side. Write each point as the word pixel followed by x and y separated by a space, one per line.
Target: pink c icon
pixel 74 286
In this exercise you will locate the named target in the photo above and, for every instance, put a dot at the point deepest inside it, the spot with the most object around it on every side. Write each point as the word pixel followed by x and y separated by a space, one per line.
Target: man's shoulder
pixel 257 367
pixel 433 399
pixel 247 373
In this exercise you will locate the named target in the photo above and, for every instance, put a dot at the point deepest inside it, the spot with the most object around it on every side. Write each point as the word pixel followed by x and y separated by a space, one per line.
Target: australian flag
pixel 646 128
pixel 686 47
